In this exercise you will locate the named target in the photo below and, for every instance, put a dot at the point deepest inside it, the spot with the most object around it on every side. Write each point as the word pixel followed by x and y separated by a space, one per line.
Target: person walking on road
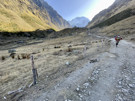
pixel 117 38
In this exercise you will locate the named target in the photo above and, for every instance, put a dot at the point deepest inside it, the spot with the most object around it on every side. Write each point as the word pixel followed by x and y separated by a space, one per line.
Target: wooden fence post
pixel 34 70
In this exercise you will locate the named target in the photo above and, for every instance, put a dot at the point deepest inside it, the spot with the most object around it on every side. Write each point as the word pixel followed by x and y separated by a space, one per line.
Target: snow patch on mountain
pixel 79 22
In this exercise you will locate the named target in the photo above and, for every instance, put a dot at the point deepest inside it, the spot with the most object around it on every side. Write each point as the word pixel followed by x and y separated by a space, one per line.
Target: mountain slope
pixel 117 7
pixel 118 18
pixel 79 22
pixel 29 15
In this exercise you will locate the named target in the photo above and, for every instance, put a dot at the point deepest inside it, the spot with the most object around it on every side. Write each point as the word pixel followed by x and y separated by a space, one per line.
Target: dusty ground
pixel 15 74
pixel 110 78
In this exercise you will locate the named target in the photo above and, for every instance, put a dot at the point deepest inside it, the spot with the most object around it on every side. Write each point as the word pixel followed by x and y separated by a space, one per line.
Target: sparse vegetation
pixel 35 34
pixel 26 15
pixel 13 56
pixel 3 58
pixel 69 49
pixel 56 53
pixel 57 47
pixel 118 17
pixel 18 57
pixel 5 13
pixel 25 56
pixel 33 21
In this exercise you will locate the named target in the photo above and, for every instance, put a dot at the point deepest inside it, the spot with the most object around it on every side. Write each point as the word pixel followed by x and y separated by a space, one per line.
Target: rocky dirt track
pixel 110 77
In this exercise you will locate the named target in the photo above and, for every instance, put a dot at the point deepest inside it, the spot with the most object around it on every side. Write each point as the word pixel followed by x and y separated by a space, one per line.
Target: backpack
pixel 118 38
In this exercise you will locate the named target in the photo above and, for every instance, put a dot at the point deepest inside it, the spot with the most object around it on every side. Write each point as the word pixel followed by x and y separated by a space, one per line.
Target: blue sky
pixel 69 9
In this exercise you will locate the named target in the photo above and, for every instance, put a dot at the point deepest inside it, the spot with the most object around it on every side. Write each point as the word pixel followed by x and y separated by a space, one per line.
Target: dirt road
pixel 110 78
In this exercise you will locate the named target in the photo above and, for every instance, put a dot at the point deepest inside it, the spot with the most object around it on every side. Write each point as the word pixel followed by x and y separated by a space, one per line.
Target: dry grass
pixel 56 53
pixel 17 72
pixel 125 28
pixel 14 18
pixel 25 56
pixel 69 49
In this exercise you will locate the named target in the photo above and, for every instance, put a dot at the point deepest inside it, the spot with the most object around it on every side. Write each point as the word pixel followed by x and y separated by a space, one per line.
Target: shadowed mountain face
pixel 29 15
pixel 119 18
pixel 119 7
pixel 79 22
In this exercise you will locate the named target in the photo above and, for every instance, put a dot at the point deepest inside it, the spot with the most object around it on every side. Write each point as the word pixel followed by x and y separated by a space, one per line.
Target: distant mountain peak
pixel 79 22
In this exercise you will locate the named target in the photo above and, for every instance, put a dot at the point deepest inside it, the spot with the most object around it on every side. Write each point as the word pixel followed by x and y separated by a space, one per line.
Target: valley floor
pixel 93 70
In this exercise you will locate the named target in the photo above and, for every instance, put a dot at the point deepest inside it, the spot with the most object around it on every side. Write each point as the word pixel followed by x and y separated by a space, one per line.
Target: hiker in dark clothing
pixel 117 38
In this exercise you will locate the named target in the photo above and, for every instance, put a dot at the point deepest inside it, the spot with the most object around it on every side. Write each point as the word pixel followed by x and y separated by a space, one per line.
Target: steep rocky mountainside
pixel 118 18
pixel 79 22
pixel 117 7
pixel 29 15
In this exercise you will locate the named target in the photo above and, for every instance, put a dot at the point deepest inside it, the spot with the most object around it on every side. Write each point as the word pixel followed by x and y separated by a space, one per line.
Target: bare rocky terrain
pixel 83 67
